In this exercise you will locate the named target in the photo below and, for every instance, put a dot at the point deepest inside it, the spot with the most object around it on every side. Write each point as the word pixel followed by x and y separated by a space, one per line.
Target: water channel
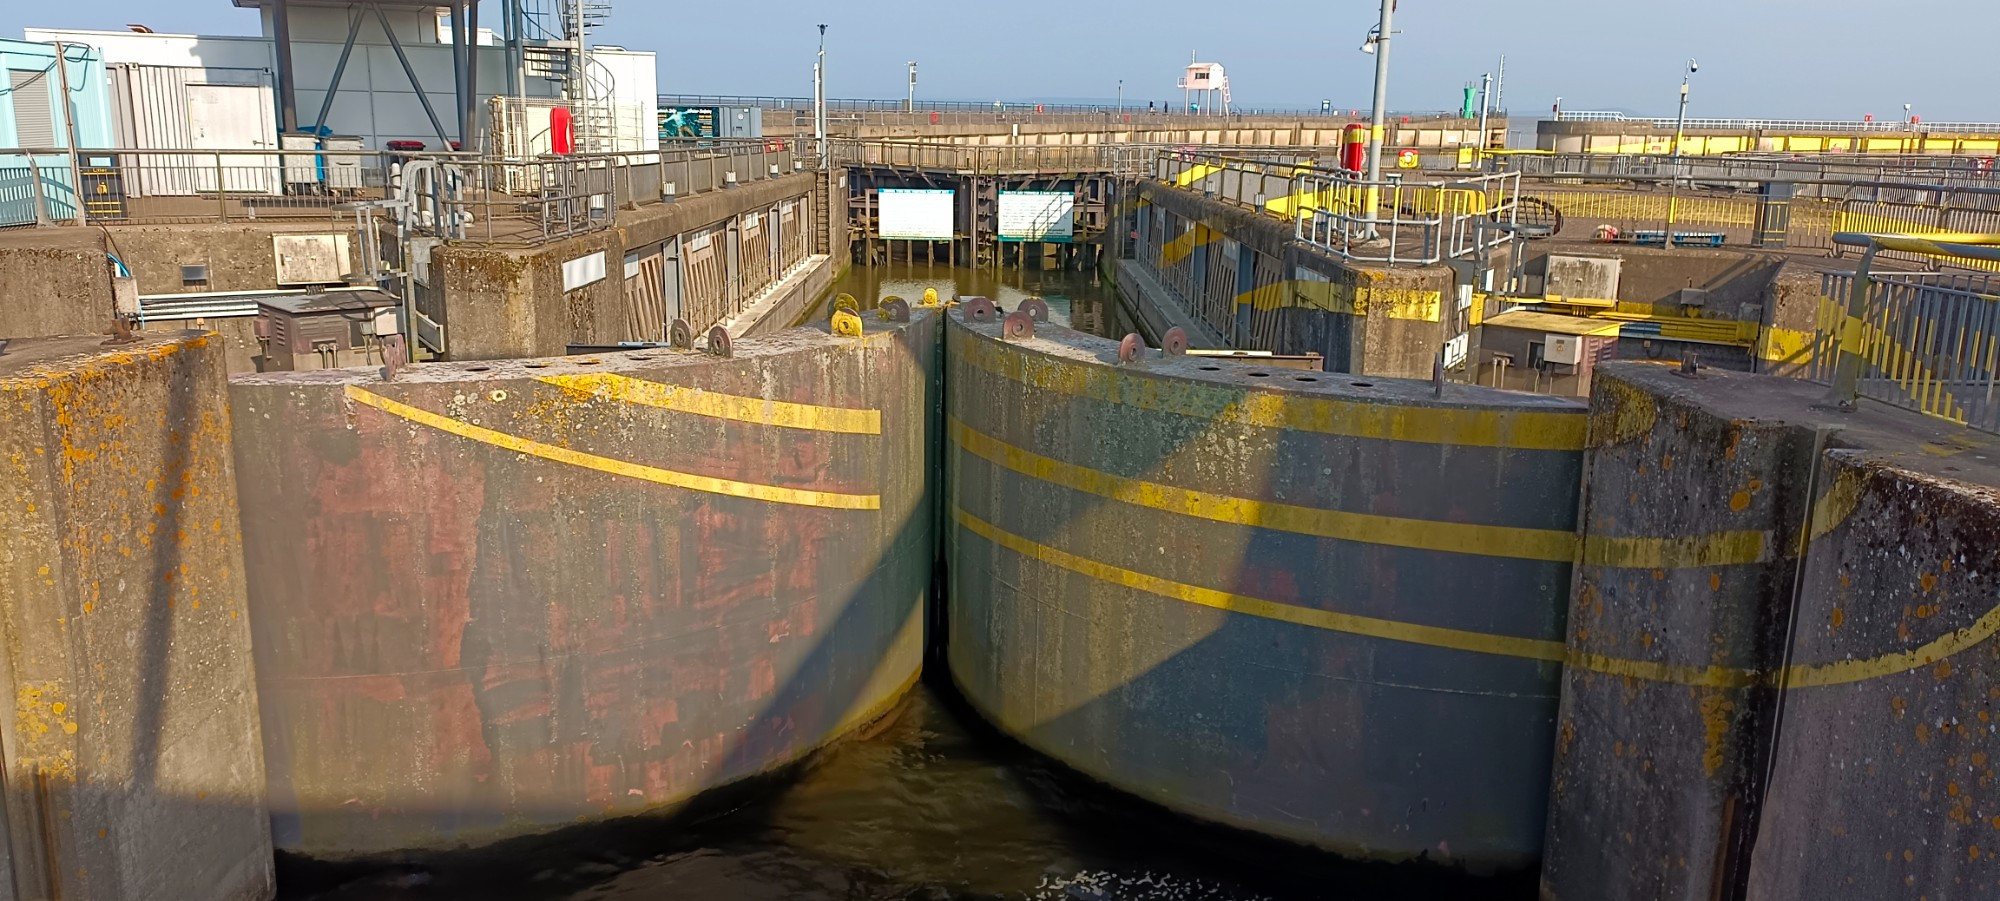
pixel 930 804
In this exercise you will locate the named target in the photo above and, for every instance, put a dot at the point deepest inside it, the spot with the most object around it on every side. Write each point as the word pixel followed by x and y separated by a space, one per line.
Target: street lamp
pixel 911 106
pixel 1377 44
pixel 1674 159
pixel 1121 98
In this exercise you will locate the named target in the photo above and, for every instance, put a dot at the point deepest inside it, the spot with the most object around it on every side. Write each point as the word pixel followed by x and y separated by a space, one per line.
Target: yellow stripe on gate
pixel 1800 676
pixel 1366 528
pixel 1354 624
pixel 1524 429
pixel 716 405
pixel 690 481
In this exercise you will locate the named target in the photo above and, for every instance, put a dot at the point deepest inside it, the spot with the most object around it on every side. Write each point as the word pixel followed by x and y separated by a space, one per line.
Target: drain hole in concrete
pixel 1304 378
pixel 1211 369
pixel 639 357
pixel 538 365
pixel 1260 375
pixel 1362 384
pixel 478 369
pixel 588 362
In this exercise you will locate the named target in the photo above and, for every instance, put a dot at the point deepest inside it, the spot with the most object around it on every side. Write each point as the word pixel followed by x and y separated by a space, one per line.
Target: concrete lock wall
pixel 1785 691
pixel 1321 607
pixel 500 598
pixel 1233 278
pixel 133 763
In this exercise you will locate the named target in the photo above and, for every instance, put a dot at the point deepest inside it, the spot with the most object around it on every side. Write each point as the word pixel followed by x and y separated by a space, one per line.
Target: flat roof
pixel 1529 320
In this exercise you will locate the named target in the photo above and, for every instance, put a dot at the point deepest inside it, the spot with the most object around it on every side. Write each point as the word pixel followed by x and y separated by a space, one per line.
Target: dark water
pixel 1080 300
pixel 928 804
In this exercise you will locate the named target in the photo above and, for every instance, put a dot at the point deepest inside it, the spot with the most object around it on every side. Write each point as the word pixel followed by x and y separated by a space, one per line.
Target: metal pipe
pixel 1485 104
pixel 288 96
pixel 469 132
pixel 339 69
pixel 510 31
pixel 819 100
pixel 69 130
pixel 411 74
pixel 1372 193
pixel 458 67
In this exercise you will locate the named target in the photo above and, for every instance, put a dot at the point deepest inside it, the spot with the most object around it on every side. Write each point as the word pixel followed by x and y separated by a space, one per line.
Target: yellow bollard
pixel 930 297
pixel 846 324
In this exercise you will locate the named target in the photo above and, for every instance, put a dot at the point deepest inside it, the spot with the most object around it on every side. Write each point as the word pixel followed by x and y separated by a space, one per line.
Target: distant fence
pixel 1136 106
pixel 1846 125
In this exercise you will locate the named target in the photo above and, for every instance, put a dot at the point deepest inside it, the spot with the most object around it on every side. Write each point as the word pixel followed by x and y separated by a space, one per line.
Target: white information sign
pixel 914 214
pixel 1037 216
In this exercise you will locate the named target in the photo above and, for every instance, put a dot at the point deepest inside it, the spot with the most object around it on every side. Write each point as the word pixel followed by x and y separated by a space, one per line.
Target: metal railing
pixel 1784 124
pixel 1928 343
pixel 457 196
pixel 1412 221
pixel 110 186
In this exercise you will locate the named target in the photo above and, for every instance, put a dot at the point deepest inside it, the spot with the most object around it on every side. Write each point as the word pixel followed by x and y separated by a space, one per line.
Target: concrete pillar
pixel 134 765
pixel 1684 572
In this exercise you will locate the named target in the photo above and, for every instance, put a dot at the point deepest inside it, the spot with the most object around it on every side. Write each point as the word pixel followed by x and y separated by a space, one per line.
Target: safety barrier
pixel 1399 221
pixel 1924 343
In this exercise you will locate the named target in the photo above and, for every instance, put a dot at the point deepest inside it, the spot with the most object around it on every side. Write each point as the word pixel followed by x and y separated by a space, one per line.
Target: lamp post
pixel 819 100
pixel 911 105
pixel 1121 98
pixel 1674 160
pixel 1378 44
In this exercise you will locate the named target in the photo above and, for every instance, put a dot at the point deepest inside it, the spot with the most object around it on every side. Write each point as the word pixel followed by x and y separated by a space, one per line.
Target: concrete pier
pixel 1797 698
pixel 499 598
pixel 133 762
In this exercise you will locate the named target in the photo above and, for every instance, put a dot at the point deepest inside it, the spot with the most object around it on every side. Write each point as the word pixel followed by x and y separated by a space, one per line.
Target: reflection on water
pixel 1080 300
pixel 930 804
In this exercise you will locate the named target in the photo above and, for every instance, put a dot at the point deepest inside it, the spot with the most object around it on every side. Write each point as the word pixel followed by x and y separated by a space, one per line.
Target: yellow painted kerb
pixel 690 481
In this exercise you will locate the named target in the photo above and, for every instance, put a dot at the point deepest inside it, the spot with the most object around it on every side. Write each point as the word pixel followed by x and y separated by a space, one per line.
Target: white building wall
pixel 375 101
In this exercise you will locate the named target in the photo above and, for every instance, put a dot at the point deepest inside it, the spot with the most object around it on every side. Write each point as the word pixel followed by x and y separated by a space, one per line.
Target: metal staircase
pixel 564 28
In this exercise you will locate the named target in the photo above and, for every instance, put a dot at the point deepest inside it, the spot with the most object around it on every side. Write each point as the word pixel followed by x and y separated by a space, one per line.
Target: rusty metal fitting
pixel 680 334
pixel 1174 343
pixel 1017 326
pixel 895 309
pixel 846 324
pixel 1130 347
pixel 1036 307
pixel 979 309
pixel 718 343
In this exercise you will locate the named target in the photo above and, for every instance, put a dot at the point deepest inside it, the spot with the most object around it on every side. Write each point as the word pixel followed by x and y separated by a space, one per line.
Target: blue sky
pixel 1767 58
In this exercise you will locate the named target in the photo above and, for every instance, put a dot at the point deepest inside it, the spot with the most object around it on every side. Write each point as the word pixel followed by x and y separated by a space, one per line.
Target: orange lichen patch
pixel 1900 706
pixel 1928 581
pixel 1942 671
pixel 1716 715
pixel 1740 501
pixel 1715 581
pixel 1839 617
pixel 1924 734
